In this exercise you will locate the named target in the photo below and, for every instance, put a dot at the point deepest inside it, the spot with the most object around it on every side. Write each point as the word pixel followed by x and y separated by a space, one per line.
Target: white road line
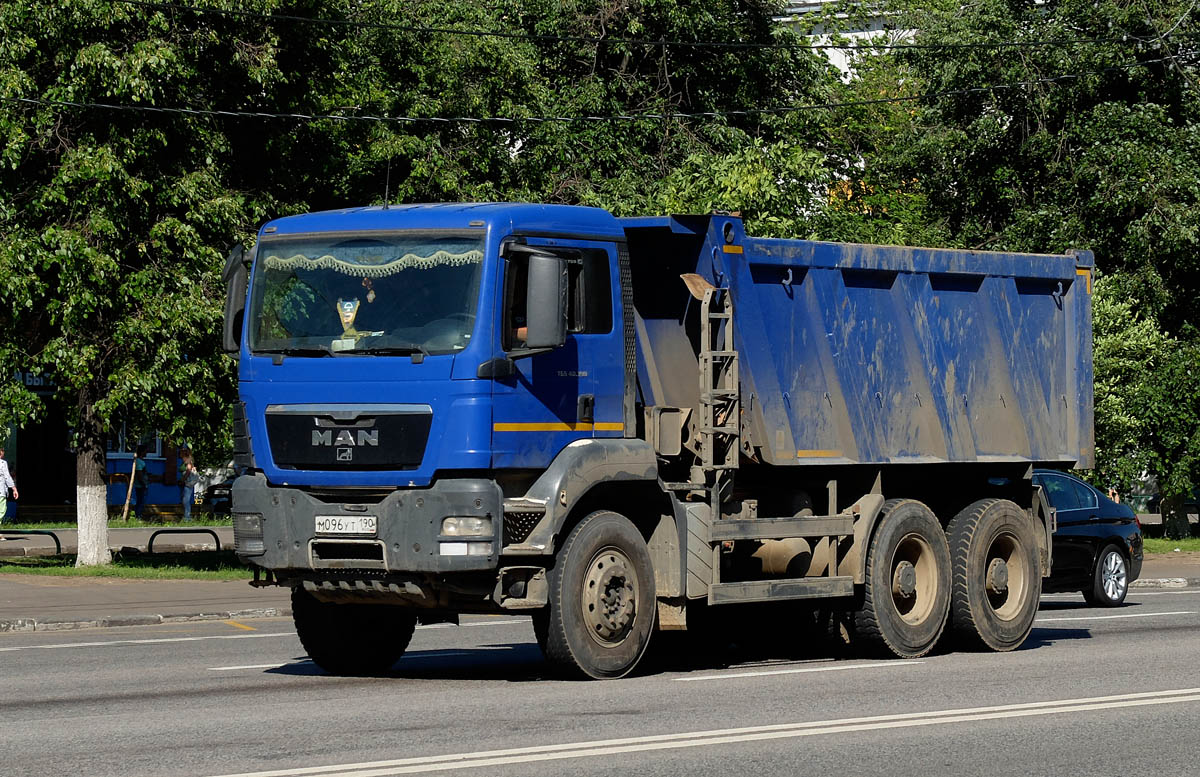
pixel 58 646
pixel 801 670
pixel 275 665
pixel 608 747
pixel 1114 617
pixel 142 641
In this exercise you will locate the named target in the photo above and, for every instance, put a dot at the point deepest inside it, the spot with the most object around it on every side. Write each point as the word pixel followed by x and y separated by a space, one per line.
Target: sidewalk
pixel 45 603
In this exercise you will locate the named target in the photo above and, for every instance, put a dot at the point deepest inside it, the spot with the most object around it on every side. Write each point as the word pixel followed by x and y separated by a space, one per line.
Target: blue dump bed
pixel 865 354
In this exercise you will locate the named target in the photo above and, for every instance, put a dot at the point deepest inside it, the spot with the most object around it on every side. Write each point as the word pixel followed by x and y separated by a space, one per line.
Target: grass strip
pixel 1157 545
pixel 195 565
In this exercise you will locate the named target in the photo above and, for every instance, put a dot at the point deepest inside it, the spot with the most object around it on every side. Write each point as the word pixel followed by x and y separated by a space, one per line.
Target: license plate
pixel 346 524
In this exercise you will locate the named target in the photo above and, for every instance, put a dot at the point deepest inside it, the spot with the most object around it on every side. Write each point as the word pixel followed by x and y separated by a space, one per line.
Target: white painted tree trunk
pixel 92 502
pixel 91 493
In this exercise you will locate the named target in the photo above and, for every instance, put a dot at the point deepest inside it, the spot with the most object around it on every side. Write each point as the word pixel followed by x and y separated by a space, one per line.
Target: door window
pixel 589 293
pixel 1087 498
pixel 1060 492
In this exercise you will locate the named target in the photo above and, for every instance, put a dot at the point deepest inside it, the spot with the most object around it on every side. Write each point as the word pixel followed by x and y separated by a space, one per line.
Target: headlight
pixel 466 526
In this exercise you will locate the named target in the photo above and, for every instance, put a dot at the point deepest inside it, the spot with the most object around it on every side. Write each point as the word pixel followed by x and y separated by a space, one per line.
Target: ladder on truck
pixel 720 437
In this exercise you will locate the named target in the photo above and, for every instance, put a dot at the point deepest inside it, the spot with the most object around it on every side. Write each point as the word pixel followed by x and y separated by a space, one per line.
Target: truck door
pixel 570 393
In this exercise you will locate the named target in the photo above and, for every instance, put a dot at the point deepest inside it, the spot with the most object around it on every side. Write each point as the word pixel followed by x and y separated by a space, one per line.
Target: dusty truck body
pixel 609 423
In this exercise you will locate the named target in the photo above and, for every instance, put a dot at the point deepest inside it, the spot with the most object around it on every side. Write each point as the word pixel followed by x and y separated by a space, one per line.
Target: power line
pixel 422 30
pixel 513 120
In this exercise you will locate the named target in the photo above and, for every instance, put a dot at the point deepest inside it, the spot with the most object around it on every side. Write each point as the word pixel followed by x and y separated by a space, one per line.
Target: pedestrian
pixel 6 484
pixel 1113 495
pixel 188 481
pixel 141 480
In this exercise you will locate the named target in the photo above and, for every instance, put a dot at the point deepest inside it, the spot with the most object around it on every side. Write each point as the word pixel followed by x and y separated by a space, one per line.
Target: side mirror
pixel 236 279
pixel 546 302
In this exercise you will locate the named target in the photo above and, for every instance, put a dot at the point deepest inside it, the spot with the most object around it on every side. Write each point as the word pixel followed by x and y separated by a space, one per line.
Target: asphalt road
pixel 1093 692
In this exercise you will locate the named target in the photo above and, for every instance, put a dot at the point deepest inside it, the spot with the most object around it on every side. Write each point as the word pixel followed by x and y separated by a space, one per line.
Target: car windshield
pixel 319 295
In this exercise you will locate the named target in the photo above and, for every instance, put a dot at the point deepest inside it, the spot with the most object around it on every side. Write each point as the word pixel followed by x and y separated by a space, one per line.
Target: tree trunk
pixel 1175 520
pixel 91 492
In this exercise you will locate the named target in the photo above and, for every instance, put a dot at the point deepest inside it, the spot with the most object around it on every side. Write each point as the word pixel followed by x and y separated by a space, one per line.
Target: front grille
pixel 347 440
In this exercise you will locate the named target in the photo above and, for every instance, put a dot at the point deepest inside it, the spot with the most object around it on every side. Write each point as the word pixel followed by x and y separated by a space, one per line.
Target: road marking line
pixel 240 625
pixel 275 665
pixel 724 736
pixel 801 670
pixel 143 641
pixel 1114 617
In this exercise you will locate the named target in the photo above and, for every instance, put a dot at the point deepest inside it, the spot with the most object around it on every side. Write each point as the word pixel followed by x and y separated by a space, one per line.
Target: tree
pixel 113 223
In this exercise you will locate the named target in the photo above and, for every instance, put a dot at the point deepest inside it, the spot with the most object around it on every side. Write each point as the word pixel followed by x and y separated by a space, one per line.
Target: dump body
pixel 865 354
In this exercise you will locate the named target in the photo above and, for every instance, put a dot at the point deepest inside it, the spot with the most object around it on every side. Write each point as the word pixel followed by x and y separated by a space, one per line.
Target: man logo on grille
pixel 345 454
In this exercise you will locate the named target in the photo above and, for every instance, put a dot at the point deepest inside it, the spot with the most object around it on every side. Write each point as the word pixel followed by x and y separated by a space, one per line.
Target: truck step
pixel 775 590
pixel 781 528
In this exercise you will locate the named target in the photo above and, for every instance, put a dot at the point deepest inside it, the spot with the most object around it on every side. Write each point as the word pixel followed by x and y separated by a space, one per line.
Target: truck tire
pixel 1110 579
pixel 602 604
pixel 906 595
pixel 351 639
pixel 997 574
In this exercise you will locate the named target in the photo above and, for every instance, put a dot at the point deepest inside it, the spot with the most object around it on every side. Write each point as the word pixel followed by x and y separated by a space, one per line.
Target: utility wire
pixel 623 41
pixel 632 117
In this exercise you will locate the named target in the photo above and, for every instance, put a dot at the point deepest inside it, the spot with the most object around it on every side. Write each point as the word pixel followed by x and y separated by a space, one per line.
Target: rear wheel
pixel 997 574
pixel 1110 579
pixel 907 590
pixel 602 606
pixel 351 639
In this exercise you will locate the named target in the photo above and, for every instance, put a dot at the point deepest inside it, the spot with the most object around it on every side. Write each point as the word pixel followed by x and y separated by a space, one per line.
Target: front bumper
pixel 406 540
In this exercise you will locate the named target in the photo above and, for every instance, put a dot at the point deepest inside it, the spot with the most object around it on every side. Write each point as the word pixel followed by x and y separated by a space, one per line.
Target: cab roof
pixel 515 217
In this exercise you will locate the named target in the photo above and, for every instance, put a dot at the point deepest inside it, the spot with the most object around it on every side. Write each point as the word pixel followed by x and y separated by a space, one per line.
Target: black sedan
pixel 1098 542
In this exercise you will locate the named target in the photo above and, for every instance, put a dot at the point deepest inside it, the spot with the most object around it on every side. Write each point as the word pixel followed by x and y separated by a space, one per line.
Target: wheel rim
pixel 609 596
pixel 1112 575
pixel 1006 574
pixel 914 579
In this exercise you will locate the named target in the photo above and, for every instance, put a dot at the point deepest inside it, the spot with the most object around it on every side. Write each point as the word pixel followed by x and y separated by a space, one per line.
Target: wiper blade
pixel 306 351
pixel 386 350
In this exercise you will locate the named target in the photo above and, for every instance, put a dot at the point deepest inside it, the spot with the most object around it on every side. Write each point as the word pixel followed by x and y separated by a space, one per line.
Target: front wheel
pixel 602 604
pixel 351 639
pixel 997 574
pixel 1110 579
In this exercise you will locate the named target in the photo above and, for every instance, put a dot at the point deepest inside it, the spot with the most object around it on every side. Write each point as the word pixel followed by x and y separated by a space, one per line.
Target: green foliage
pixel 113 224
pixel 1092 146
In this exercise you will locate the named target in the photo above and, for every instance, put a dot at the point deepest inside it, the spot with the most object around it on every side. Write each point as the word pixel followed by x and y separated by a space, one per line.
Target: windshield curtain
pixel 393 293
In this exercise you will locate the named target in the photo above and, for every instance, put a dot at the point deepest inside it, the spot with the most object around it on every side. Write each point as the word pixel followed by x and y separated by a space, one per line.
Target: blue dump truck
pixel 620 426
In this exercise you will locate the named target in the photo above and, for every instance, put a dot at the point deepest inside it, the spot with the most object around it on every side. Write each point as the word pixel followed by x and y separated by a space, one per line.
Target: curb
pixel 1166 582
pixel 67 624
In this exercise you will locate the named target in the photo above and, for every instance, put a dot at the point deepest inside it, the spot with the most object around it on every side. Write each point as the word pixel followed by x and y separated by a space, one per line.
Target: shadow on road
pixel 1042 637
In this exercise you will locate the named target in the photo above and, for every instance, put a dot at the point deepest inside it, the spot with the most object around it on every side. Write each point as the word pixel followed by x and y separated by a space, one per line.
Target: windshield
pixel 394 293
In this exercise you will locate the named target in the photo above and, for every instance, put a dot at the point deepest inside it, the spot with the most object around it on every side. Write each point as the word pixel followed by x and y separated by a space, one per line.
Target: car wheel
pixel 1110 579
